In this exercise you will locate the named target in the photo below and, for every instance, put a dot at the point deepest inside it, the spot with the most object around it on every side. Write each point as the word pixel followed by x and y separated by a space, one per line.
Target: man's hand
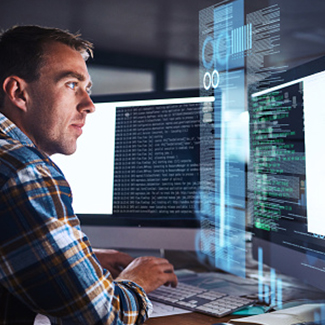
pixel 112 260
pixel 149 273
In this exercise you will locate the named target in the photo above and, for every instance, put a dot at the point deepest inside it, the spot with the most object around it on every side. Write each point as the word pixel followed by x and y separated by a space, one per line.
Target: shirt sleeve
pixel 48 263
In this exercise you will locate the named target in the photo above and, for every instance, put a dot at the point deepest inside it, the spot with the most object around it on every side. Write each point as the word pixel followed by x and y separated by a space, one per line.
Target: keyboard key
pixel 197 299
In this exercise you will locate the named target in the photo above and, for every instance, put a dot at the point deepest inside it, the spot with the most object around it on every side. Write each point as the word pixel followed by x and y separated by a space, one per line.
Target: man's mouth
pixel 78 127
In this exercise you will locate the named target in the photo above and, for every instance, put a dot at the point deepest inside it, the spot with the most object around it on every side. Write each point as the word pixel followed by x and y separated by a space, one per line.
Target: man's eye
pixel 72 85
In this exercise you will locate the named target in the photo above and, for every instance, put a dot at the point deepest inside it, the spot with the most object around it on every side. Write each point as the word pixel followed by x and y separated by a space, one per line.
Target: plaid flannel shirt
pixel 47 265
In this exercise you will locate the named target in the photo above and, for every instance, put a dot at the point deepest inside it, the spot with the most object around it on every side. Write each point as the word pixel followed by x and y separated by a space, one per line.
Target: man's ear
pixel 15 90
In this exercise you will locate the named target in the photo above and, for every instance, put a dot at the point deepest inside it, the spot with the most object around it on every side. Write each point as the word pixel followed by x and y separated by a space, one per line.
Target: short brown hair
pixel 21 50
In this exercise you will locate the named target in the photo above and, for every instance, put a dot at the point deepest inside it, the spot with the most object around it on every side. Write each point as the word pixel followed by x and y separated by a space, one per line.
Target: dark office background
pixel 150 45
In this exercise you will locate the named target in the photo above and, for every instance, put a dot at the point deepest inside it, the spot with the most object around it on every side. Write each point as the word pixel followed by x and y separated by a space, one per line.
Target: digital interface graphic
pixel 224 42
pixel 234 45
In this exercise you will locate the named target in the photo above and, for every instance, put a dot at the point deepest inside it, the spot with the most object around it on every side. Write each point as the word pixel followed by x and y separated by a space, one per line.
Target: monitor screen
pixel 286 173
pixel 136 171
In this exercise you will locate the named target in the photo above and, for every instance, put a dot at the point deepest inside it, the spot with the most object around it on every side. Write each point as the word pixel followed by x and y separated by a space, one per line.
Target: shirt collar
pixel 10 129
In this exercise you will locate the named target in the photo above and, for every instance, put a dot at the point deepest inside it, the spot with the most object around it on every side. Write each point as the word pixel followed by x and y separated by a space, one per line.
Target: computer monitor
pixel 136 171
pixel 287 175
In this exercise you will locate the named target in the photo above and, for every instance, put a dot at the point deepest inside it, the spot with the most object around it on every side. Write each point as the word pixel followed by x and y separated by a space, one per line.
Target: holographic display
pixel 220 201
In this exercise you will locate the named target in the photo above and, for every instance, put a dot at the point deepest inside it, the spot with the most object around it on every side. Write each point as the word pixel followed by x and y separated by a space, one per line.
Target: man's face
pixel 58 101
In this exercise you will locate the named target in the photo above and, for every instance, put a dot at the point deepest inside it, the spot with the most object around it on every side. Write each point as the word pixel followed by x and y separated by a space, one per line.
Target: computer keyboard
pixel 201 300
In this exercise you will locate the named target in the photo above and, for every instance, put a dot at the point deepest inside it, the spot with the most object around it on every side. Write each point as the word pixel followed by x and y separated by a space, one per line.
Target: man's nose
pixel 87 104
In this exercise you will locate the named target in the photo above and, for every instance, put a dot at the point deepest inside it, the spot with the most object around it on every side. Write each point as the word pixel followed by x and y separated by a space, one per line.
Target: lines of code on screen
pixel 277 188
pixel 156 159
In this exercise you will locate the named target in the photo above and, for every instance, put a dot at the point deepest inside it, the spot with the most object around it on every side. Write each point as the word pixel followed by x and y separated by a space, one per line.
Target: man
pixel 47 264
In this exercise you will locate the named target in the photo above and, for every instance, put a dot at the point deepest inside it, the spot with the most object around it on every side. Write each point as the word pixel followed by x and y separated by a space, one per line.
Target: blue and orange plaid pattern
pixel 47 265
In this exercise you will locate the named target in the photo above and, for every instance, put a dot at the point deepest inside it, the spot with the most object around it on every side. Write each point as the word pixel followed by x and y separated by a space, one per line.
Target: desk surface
pixel 187 319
